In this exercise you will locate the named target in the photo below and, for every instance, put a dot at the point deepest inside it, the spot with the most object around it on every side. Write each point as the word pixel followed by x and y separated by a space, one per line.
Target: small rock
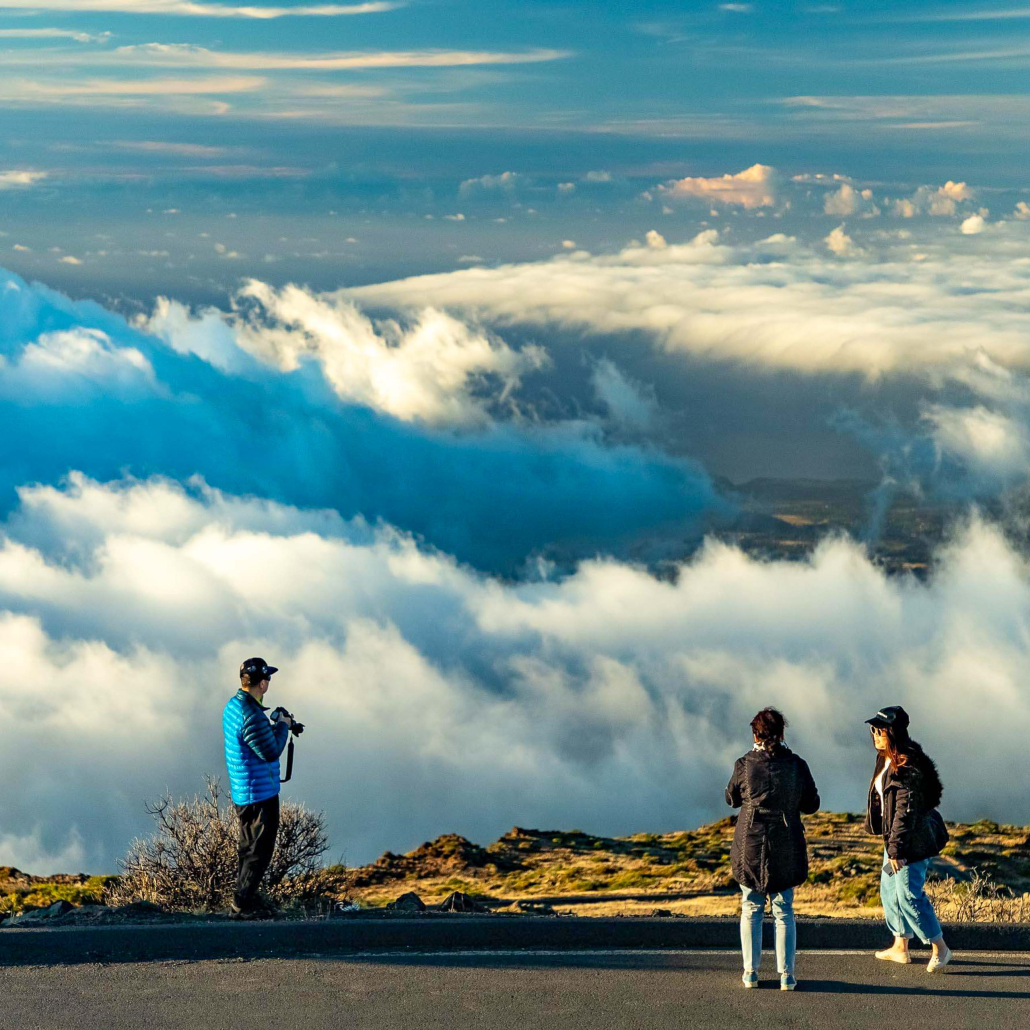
pixel 460 902
pixel 409 902
pixel 660 913
pixel 535 908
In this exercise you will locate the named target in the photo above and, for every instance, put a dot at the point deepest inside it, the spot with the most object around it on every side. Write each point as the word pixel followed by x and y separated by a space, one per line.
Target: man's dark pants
pixel 259 824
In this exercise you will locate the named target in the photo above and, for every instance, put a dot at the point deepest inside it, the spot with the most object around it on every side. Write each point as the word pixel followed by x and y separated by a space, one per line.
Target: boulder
pixel 40 916
pixel 460 902
pixel 409 902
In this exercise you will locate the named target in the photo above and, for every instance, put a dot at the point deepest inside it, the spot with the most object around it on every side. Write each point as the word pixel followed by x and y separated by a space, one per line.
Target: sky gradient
pixel 401 342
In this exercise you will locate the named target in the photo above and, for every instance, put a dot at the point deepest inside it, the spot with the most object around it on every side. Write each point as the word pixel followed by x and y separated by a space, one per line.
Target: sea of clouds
pixel 358 486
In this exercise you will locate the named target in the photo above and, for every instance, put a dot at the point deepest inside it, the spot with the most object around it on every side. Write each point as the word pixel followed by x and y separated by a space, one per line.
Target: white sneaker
pixel 787 982
pixel 893 955
pixel 938 962
pixel 750 979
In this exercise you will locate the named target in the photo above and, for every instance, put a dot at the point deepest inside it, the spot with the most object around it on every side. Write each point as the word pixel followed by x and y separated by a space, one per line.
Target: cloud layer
pixel 439 700
pixel 303 400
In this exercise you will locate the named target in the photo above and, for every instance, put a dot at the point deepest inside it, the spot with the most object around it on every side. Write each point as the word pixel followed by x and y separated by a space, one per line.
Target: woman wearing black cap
pixel 902 808
pixel 773 787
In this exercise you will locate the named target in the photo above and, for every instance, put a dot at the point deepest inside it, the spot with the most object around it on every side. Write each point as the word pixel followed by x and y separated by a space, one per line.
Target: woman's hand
pixel 897 863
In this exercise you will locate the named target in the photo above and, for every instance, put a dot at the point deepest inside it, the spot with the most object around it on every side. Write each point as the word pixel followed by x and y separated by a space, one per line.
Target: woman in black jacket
pixel 902 809
pixel 773 788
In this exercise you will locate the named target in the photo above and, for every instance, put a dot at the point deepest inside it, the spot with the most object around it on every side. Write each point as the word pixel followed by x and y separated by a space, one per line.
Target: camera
pixel 297 728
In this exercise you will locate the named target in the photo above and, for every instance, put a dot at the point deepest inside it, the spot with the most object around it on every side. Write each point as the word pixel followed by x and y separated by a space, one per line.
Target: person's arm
pixel 733 795
pixel 267 743
pixel 809 794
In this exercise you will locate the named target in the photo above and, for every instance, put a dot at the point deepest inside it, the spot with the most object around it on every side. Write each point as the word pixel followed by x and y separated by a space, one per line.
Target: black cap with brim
pixel 891 717
pixel 257 667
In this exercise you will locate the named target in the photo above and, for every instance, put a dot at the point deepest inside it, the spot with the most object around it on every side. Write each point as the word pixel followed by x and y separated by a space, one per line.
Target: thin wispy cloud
pixel 12 180
pixel 215 84
pixel 182 55
pixel 978 14
pixel 162 147
pixel 204 10
pixel 79 37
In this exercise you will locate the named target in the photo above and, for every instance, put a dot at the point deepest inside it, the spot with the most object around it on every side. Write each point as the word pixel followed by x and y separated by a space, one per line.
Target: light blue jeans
pixel 752 909
pixel 906 909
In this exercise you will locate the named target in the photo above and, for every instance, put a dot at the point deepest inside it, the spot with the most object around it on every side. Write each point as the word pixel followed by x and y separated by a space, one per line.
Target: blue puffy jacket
pixel 252 749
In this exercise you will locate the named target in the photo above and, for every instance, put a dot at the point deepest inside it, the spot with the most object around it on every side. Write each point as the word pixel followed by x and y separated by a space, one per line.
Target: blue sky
pixel 376 118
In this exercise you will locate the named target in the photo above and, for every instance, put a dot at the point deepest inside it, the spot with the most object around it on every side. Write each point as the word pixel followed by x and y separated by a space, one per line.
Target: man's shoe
pixel 787 982
pixel 267 909
pixel 750 979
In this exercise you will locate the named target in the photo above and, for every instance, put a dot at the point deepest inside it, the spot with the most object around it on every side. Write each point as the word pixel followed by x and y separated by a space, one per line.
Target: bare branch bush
pixel 189 863
pixel 977 900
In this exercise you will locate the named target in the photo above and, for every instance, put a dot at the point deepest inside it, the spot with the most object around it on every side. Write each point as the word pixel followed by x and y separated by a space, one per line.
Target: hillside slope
pixel 682 872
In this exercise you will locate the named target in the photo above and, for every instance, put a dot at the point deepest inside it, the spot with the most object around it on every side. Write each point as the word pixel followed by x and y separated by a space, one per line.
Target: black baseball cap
pixel 892 717
pixel 257 667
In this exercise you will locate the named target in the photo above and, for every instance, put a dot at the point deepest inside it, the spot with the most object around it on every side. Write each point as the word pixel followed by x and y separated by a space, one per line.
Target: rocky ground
pixel 983 874
pixel 688 872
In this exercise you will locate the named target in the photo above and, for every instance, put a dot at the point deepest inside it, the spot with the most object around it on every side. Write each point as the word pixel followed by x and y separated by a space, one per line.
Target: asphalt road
pixel 568 990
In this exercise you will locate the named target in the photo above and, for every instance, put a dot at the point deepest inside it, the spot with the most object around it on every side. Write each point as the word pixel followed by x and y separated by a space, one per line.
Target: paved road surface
pixel 476 991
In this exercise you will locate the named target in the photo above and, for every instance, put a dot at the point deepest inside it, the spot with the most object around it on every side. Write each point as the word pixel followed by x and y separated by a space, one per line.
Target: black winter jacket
pixel 773 789
pixel 911 827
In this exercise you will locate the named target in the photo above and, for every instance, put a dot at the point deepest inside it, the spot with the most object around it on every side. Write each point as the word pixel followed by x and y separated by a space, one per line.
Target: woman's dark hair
pixel 768 725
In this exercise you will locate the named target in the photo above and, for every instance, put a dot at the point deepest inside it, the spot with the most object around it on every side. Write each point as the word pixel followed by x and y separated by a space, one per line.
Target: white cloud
pixel 58 362
pixel 459 217
pixel 752 188
pixel 203 8
pixel 987 442
pixel 840 243
pixel 68 259
pixel 504 182
pixel 972 225
pixel 630 403
pixel 566 187
pixel 806 312
pixel 431 370
pixel 1022 210
pixel 655 240
pixel 849 201
pixel 942 202
pixel 183 55
pixel 79 37
pixel 15 179
pixel 610 699
pixel 201 150
pixel 157 87
pixel 598 175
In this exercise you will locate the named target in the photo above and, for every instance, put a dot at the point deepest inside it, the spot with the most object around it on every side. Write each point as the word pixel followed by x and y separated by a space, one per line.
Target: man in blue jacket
pixel 252 748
